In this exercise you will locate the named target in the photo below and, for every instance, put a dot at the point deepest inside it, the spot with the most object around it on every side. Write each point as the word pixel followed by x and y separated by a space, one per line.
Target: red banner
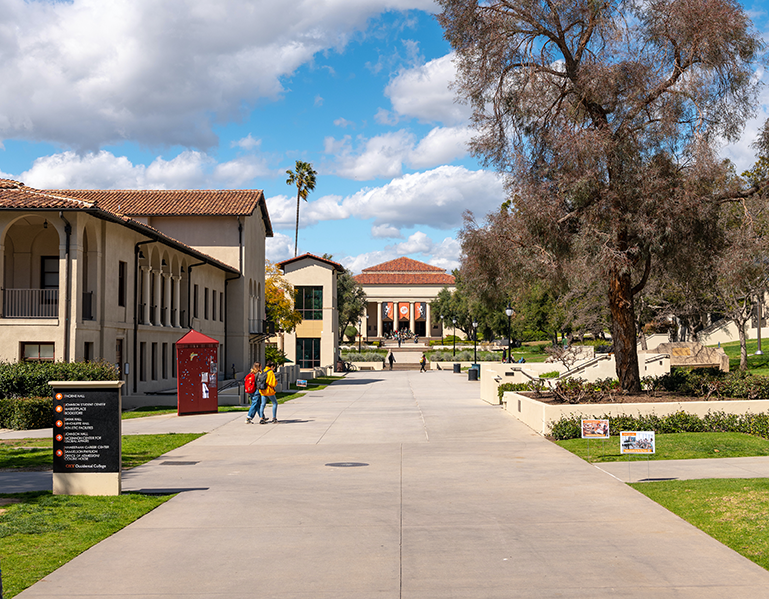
pixel 403 311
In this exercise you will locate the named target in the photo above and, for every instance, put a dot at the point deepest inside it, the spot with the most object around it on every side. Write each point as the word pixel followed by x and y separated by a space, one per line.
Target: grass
pixel 677 446
pixel 732 511
pixel 756 364
pixel 40 532
pixel 137 450
pixel 318 383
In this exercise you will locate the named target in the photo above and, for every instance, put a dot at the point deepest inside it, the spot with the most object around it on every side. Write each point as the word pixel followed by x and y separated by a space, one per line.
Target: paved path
pixel 451 497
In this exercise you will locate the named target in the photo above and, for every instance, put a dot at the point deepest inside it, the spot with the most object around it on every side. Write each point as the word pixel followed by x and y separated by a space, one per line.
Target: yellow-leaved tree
pixel 279 299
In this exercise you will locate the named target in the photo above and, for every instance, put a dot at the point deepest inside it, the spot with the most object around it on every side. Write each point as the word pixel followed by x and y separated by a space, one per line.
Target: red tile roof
pixel 403 265
pixel 336 265
pixel 171 202
pixel 438 278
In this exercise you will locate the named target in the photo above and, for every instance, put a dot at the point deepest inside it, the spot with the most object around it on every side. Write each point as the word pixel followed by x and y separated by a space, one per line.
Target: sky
pixel 229 94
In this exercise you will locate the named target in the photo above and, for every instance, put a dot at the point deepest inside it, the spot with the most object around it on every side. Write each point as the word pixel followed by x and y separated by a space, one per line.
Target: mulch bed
pixel 656 397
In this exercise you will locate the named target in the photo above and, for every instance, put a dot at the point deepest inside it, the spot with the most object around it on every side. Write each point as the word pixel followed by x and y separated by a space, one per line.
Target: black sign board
pixel 86 430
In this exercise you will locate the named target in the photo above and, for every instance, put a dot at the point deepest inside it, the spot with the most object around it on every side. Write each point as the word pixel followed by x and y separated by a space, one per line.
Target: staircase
pixel 406 356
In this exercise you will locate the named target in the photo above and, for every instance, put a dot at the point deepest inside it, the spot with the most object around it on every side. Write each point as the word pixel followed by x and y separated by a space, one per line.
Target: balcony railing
pixel 88 305
pixel 30 303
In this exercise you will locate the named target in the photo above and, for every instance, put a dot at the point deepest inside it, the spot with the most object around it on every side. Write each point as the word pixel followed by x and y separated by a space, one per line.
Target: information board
pixel 594 428
pixel 86 431
pixel 637 442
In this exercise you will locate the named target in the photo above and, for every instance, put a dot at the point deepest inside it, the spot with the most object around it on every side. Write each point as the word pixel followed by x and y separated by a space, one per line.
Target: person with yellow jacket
pixel 268 392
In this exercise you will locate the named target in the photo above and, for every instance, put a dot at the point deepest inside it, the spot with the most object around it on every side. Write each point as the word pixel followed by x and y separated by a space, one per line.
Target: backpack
pixel 250 383
pixel 261 381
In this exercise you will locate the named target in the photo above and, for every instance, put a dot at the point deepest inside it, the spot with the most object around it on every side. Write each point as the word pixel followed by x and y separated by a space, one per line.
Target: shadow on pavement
pixel 357 381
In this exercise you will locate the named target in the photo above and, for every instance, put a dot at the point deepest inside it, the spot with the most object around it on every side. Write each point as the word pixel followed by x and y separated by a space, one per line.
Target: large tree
pixel 605 116
pixel 351 300
pixel 279 299
pixel 303 176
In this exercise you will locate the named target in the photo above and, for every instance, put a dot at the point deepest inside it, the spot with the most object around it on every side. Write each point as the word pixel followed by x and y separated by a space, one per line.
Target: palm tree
pixel 304 179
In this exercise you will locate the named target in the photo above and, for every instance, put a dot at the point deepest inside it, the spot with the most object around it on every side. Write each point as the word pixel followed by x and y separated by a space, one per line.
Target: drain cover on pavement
pixel 346 464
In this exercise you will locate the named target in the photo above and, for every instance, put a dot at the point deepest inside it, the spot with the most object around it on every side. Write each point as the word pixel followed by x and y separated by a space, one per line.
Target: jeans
pixel 255 401
pixel 263 404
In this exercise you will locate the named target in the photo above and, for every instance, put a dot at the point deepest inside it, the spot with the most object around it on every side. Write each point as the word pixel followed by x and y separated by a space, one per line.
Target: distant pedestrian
pixel 391 359
pixel 423 363
pixel 268 382
pixel 252 392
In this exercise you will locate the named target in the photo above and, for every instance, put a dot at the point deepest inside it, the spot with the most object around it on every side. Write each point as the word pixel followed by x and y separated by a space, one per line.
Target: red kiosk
pixel 196 374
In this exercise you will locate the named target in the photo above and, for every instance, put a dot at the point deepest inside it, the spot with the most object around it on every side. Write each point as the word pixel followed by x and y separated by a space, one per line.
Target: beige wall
pixel 311 272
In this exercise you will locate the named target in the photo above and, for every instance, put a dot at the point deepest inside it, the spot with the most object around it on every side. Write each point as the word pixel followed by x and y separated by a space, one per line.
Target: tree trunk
pixel 743 345
pixel 296 237
pixel 623 330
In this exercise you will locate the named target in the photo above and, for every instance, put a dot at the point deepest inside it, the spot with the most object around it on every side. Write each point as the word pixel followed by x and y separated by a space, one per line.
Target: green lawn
pixel 677 446
pixel 756 364
pixel 40 532
pixel 732 511
pixel 137 450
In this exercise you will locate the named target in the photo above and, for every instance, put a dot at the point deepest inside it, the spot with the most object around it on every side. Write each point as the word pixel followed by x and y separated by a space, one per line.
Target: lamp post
pixel 454 322
pixel 509 311
pixel 475 342
pixel 758 338
pixel 441 330
pixel 360 332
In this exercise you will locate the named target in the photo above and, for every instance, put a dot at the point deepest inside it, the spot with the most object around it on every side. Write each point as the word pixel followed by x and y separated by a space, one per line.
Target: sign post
pixel 87 437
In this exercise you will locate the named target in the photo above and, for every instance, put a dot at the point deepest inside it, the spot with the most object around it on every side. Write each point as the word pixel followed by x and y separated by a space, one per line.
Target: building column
pixel 379 331
pixel 428 323
pixel 176 311
pixel 412 328
pixel 167 320
pixel 158 283
pixel 145 299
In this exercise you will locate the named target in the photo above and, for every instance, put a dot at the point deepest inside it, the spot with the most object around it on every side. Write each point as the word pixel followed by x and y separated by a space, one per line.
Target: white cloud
pixel 423 93
pixel 384 156
pixel 86 72
pixel 444 254
pixel 279 248
pixel 103 170
pixel 385 232
pixel 435 198
pixel 247 143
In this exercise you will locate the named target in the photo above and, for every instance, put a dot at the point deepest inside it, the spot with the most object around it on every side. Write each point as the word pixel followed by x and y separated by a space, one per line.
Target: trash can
pixel 477 369
pixel 472 374
pixel 457 368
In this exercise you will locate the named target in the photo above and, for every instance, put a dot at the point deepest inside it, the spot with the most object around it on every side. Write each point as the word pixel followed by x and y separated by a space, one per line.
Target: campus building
pixel 315 341
pixel 122 275
pixel 399 294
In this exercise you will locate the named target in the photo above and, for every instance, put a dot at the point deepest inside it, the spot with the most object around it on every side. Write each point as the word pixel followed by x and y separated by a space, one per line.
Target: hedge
pixel 24 413
pixel 678 422
pixel 30 379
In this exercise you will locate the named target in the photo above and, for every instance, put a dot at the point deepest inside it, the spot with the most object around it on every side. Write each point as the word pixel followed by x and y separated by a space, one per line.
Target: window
pixel 164 360
pixel 122 276
pixel 195 301
pixel 309 302
pixel 205 303
pixel 221 306
pixel 213 304
pixel 37 352
pixel 308 353
pixel 143 361
pixel 49 272
pixel 88 351
pixel 154 364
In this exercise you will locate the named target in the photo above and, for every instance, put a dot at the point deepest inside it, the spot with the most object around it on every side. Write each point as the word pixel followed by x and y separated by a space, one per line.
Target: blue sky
pixel 186 94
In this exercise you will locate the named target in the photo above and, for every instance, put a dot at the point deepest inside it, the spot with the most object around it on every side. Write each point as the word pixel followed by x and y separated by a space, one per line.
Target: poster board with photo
pixel 637 442
pixel 593 428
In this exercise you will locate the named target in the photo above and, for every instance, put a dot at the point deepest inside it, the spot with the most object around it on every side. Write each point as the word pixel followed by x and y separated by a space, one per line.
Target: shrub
pixel 553 374
pixel 530 386
pixel 366 356
pixel 30 379
pixel 678 422
pixel 24 413
pixel 710 382
pixel 271 352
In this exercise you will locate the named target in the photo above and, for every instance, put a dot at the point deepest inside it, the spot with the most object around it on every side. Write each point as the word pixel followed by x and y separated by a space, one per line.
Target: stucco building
pixel 122 275
pixel 399 293
pixel 315 341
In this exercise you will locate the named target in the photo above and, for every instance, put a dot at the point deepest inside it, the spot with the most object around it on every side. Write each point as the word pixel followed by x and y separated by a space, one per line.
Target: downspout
pixel 68 283
pixel 136 311
pixel 189 292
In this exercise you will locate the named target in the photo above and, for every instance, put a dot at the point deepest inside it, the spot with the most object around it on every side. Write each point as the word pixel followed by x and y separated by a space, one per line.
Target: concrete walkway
pixel 390 485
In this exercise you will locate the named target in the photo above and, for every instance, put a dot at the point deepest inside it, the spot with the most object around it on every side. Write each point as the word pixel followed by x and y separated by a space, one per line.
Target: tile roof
pixel 433 278
pixel 171 202
pixel 403 265
pixel 17 196
pixel 336 265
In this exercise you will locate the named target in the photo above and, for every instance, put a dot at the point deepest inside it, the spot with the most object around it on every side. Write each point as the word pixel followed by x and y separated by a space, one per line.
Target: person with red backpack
pixel 250 387
pixel 266 383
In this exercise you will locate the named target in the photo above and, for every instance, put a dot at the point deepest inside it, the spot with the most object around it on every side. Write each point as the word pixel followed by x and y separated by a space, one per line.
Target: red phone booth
pixel 197 357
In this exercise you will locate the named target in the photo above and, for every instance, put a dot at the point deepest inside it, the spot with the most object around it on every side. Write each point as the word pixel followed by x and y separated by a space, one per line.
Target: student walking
pixel 253 393
pixel 422 363
pixel 391 359
pixel 268 393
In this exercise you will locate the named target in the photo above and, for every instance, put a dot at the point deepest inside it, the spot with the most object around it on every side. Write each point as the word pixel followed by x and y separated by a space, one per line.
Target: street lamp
pixel 758 309
pixel 441 330
pixel 360 332
pixel 509 311
pixel 454 322
pixel 475 342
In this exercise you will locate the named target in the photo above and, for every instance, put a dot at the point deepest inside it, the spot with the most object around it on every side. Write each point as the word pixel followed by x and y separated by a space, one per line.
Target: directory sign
pixel 86 429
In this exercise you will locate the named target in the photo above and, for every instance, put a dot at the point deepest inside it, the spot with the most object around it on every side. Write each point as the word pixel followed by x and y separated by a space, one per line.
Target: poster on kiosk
pixel 197 357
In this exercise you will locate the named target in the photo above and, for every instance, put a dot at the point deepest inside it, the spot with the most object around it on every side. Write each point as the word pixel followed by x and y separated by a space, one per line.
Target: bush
pixel 711 382
pixel 530 386
pixel 30 379
pixel 22 413
pixel 553 374
pixel 463 355
pixel 678 422
pixel 366 356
